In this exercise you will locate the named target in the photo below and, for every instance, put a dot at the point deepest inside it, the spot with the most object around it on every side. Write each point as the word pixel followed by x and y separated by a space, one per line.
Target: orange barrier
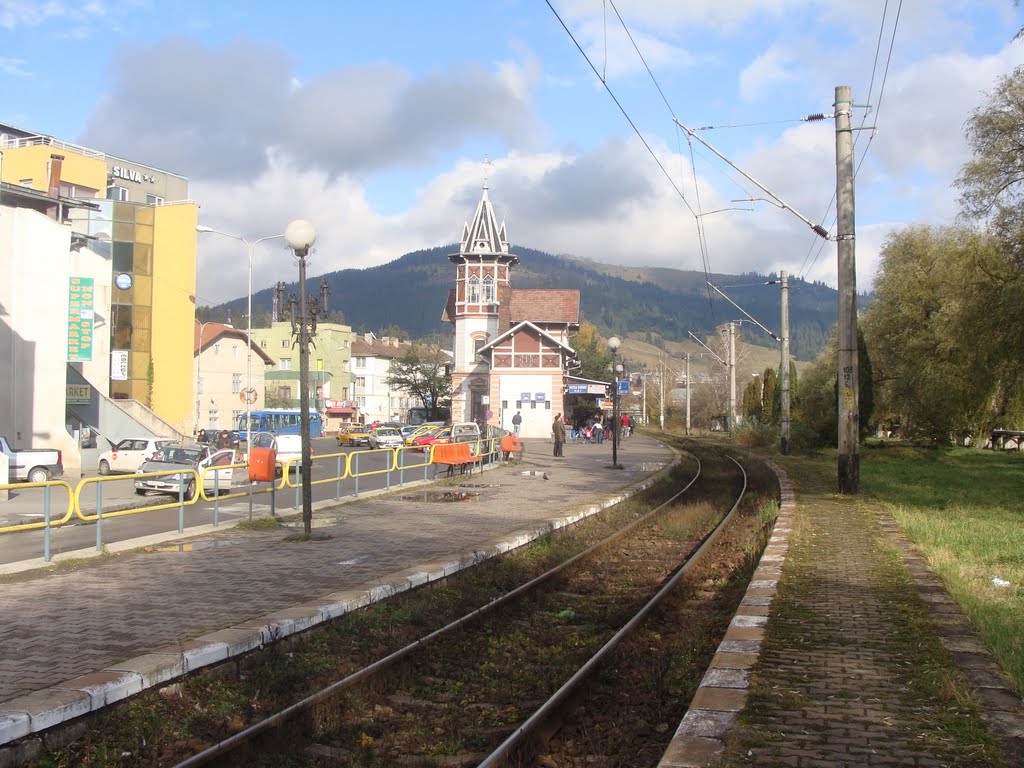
pixel 454 455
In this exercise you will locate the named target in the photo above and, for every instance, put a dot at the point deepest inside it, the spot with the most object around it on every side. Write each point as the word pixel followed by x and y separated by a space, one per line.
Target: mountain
pixel 654 305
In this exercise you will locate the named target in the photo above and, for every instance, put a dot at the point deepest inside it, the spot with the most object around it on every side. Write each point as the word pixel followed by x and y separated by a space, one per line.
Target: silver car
pixel 386 437
pixel 179 456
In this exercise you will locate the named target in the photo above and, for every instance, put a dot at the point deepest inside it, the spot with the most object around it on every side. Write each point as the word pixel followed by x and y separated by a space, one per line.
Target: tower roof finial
pixel 487 162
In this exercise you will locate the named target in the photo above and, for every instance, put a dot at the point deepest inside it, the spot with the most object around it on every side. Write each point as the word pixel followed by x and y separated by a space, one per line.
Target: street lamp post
pixel 251 247
pixel 613 345
pixel 300 236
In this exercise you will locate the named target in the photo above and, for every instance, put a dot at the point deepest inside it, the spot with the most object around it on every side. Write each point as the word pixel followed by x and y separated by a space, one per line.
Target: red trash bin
pixel 263 458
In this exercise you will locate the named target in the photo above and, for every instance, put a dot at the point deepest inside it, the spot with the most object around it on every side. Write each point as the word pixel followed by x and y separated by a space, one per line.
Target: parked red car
pixel 432 438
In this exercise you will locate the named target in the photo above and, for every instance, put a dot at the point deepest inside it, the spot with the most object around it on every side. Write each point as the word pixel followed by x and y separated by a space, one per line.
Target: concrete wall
pixel 34 258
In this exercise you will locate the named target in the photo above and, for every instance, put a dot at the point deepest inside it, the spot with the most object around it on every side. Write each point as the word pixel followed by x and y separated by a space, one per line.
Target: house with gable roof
pixel 512 349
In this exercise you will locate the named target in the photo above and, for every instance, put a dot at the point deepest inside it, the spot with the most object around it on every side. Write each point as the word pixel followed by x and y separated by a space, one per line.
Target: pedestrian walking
pixel 598 432
pixel 558 430
pixel 516 421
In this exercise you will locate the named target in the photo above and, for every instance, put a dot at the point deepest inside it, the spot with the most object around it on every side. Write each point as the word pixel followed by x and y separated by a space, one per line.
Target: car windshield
pixel 178 455
pixel 387 432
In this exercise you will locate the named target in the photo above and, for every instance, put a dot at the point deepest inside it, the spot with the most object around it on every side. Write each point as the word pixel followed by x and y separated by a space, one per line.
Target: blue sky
pixel 373 120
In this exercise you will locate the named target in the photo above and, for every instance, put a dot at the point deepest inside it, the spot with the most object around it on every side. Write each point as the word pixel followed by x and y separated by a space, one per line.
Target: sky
pixel 589 120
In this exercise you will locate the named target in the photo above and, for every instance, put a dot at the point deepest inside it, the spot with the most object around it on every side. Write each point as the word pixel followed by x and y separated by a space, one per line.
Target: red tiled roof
pixel 448 315
pixel 546 305
pixel 213 331
pixel 377 348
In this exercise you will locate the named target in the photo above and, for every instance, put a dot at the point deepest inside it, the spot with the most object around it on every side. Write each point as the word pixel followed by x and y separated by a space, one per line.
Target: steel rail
pixel 536 721
pixel 247 734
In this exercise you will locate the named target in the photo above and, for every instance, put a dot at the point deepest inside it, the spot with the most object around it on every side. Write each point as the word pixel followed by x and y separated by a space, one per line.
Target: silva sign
pixel 130 174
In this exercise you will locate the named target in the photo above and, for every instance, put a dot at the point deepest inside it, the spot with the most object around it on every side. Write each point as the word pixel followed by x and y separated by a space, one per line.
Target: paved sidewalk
pixel 822 666
pixel 173 607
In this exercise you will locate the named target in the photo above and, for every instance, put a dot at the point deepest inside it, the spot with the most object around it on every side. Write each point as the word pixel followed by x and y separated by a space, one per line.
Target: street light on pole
pixel 300 236
pixel 249 392
pixel 613 344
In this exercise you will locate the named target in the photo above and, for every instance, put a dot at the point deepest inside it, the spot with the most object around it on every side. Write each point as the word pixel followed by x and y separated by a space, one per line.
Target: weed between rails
pixel 161 727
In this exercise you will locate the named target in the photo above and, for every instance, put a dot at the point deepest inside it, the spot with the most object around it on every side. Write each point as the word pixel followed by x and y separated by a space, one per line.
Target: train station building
pixel 512 347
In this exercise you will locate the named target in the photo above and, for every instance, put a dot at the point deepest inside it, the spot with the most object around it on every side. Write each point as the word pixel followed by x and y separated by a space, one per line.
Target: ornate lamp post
pixel 613 345
pixel 300 236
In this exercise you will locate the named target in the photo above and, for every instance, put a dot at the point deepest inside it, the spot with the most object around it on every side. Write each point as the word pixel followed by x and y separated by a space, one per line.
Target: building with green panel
pixel 329 356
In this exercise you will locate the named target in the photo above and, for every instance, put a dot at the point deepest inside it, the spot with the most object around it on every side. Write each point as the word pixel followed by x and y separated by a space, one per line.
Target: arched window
pixel 473 290
pixel 488 290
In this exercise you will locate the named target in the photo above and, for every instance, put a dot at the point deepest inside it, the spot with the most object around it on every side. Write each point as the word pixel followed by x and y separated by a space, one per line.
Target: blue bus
pixel 280 421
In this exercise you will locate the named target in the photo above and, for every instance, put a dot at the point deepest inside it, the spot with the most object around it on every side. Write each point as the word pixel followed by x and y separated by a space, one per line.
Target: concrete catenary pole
pixel 687 393
pixel 784 366
pixel 661 409
pixel 848 396
pixel 732 376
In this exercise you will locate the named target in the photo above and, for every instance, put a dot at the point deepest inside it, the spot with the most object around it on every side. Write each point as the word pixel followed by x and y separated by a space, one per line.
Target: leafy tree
pixel 752 405
pixel 943 342
pixel 770 393
pixel 592 352
pixel 393 331
pixel 992 182
pixel 422 371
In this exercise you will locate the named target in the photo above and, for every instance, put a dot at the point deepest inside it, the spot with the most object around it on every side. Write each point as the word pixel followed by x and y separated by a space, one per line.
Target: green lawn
pixel 965 510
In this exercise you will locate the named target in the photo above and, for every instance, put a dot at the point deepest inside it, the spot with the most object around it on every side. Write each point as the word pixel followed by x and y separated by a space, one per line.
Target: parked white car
pixel 289 448
pixel 128 454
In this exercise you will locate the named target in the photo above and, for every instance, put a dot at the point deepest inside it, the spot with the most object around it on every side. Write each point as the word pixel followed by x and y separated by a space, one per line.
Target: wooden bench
pixel 511 447
pixel 454 455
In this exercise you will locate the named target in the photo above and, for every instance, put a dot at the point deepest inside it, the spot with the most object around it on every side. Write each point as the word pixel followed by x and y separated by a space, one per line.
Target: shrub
pixel 755 433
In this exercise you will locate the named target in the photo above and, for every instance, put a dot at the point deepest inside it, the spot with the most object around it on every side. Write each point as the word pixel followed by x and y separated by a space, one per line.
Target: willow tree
pixel 936 343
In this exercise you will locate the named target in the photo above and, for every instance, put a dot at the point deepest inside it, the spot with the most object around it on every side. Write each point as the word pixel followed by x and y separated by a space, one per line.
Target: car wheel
pixel 140 491
pixel 104 467
pixel 190 490
pixel 38 475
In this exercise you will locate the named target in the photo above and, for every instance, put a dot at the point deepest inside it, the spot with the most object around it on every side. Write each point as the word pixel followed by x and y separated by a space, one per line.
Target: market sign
pixel 80 319
pixel 78 394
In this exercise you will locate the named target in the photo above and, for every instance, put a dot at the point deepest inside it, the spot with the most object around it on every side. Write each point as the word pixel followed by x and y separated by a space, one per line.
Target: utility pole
pixel 732 376
pixel 848 405
pixel 661 410
pixel 784 366
pixel 687 393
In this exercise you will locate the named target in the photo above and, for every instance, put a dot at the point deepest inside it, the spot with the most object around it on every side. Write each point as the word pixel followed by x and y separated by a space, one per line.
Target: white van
pixel 289 447
pixel 466 432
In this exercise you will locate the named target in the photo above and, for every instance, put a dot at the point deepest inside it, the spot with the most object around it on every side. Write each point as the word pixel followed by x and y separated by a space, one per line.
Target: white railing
pixel 35 141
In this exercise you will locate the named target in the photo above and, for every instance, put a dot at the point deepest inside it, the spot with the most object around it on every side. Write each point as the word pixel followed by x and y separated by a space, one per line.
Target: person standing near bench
pixel 558 430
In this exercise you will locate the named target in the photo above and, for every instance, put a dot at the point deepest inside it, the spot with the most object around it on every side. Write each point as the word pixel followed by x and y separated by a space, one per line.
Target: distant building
pixel 512 350
pixel 223 373
pixel 329 377
pixel 371 364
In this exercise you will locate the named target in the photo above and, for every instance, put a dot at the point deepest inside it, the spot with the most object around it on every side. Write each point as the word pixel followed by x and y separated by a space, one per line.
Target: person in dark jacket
pixel 558 430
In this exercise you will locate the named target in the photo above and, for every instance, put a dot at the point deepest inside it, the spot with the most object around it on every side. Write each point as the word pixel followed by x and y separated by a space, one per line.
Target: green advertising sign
pixel 80 319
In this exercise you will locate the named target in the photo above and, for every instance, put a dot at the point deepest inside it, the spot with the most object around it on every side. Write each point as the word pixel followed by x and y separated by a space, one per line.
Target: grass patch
pixel 261 524
pixel 962 508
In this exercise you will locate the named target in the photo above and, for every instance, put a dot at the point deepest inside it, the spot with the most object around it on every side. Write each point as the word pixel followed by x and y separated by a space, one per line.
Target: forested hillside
pixel 655 303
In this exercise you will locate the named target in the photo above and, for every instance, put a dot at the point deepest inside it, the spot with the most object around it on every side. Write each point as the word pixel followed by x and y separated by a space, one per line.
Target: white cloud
pixel 773 68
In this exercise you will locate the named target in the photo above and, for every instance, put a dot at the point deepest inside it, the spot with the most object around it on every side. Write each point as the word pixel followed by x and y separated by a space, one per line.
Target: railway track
pixel 591 662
